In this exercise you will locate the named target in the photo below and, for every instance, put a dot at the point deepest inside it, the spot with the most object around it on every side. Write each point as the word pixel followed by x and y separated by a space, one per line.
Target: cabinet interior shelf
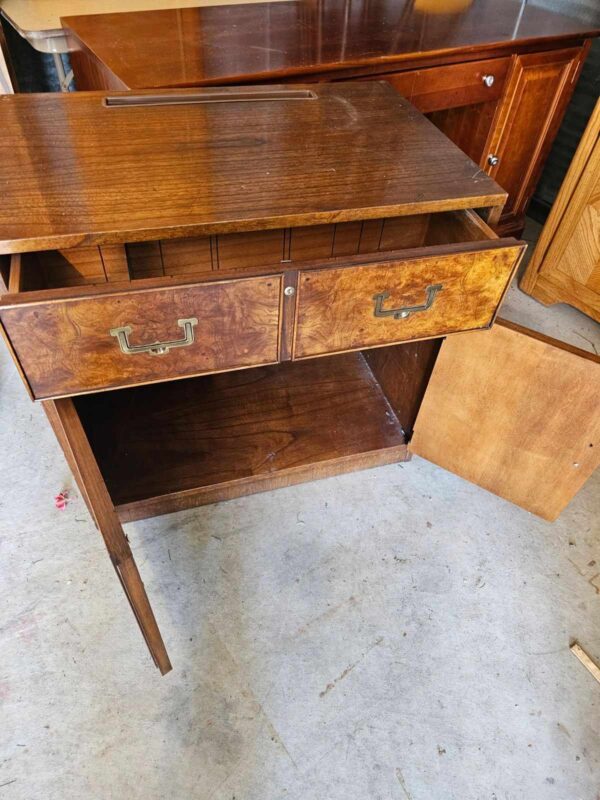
pixel 175 445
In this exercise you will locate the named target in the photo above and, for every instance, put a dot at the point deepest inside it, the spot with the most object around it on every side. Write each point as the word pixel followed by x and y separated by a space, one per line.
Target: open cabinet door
pixel 515 412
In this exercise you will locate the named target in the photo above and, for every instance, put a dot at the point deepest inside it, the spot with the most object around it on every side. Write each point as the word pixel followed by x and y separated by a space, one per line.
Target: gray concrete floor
pixel 396 634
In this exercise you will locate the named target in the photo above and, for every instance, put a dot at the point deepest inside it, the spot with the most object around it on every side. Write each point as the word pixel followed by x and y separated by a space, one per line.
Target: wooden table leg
pixel 73 440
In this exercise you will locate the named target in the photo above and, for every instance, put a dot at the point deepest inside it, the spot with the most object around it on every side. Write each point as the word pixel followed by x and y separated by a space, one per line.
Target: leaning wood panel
pixel 71 346
pixel 353 307
pixel 516 413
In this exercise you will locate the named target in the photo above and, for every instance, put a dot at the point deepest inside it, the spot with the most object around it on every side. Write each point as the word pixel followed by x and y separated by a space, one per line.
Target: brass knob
pixel 488 80
pixel 493 160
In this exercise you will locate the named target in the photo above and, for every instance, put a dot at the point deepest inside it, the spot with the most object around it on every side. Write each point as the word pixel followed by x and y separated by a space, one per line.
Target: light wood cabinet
pixel 565 267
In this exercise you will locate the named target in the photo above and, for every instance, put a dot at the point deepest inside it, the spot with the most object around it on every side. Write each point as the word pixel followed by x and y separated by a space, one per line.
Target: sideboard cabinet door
pixel 462 100
pixel 538 90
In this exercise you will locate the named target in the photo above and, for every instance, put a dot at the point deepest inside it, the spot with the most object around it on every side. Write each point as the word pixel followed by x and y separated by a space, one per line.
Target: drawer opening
pixel 281 249
pixel 174 445
pixel 271 250
pixel 56 269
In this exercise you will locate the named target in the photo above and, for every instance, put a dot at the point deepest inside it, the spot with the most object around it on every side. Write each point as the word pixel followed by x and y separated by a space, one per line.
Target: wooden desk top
pixel 247 43
pixel 79 172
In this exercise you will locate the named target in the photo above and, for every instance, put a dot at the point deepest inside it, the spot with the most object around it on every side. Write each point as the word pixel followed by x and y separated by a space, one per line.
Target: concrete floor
pixel 396 634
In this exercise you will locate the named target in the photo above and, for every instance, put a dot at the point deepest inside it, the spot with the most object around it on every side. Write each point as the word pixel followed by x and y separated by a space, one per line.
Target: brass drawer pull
pixel 156 348
pixel 405 311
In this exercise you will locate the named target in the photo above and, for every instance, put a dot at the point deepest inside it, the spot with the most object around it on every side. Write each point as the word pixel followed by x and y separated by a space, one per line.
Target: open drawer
pixel 76 326
pixel 88 339
pixel 454 282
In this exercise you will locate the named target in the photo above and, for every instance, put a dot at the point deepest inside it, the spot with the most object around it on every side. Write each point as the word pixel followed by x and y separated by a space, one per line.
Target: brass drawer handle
pixel 156 348
pixel 405 311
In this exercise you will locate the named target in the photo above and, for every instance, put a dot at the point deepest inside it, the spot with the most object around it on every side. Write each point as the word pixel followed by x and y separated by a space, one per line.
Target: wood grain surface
pixel 565 266
pixel 137 173
pixel 248 43
pixel 540 87
pixel 403 372
pixel 516 413
pixel 231 434
pixel 335 307
pixel 72 438
pixel 65 347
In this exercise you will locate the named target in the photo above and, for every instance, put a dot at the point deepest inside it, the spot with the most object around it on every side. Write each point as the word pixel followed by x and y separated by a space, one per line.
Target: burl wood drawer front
pixel 119 339
pixel 351 308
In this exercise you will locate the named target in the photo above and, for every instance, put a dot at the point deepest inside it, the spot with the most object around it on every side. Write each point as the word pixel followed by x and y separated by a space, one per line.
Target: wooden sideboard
pixel 495 75
pixel 565 267
pixel 267 276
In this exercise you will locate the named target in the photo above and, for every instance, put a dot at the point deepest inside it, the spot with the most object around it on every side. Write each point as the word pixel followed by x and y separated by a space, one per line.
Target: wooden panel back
pixel 516 413
pixel 253 249
pixel 114 258
pixel 198 255
pixel 145 259
pixel 186 256
pixel 74 267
